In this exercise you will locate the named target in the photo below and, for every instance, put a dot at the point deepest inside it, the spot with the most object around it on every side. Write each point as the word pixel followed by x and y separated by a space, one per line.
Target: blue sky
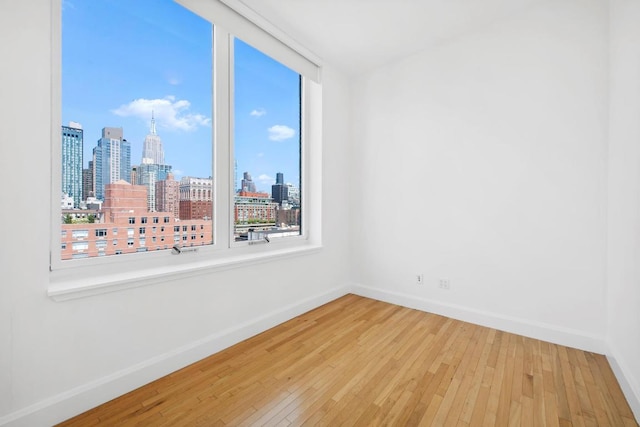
pixel 121 59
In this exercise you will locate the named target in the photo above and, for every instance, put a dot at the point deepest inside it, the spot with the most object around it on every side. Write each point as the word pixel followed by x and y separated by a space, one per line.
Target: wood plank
pixel 357 361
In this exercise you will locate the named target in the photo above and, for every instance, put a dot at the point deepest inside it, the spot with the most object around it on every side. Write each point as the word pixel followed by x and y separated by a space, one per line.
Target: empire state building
pixel 152 169
pixel 152 152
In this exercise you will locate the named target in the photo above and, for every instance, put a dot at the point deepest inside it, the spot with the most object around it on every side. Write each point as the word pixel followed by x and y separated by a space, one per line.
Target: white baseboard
pixel 629 385
pixel 77 400
pixel 537 330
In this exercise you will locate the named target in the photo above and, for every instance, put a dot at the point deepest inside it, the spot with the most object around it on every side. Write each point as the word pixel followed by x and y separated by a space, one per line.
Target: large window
pixel 139 118
pixel 142 98
pixel 266 134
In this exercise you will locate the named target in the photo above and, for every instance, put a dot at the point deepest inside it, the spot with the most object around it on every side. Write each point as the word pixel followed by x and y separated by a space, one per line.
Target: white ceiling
pixel 359 35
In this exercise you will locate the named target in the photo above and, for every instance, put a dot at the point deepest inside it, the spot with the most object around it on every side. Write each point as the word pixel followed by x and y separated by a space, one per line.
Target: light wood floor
pixel 360 362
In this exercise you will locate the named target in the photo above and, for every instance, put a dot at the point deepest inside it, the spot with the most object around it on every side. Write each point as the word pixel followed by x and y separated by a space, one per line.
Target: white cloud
pixel 280 132
pixel 266 179
pixel 169 113
pixel 258 113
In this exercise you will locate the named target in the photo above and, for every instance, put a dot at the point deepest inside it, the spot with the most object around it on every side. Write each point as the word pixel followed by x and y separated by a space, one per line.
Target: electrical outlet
pixel 444 284
pixel 419 279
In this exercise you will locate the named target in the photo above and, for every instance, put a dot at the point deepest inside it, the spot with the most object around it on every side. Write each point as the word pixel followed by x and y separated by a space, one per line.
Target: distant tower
pixel 72 142
pixel 87 181
pixel 152 146
pixel 279 191
pixel 111 159
pixel 152 168
pixel 248 184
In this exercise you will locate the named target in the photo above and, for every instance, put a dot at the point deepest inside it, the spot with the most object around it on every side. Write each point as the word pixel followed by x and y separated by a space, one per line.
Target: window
pixel 248 160
pixel 140 114
pixel 80 234
pixel 80 246
pixel 267 145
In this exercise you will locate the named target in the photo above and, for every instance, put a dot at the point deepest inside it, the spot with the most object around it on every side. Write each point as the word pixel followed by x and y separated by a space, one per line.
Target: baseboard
pixel 537 330
pixel 629 385
pixel 77 400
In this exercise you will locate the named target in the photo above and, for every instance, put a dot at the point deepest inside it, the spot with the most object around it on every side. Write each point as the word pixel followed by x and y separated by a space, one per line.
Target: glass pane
pixel 267 117
pixel 136 133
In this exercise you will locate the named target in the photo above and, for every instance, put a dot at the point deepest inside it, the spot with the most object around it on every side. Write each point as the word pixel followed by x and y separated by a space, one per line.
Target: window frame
pixel 304 161
pixel 75 278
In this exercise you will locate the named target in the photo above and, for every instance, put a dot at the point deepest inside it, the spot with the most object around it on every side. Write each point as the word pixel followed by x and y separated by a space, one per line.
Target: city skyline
pixel 158 62
pixel 277 179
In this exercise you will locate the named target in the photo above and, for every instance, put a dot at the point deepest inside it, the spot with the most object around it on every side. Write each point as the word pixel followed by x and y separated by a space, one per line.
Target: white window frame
pixel 78 278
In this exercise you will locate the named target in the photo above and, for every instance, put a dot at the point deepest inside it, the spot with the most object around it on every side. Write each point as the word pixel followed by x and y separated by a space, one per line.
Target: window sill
pixel 65 288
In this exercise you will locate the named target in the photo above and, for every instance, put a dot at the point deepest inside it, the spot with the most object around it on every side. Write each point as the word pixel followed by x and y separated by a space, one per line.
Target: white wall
pixel 483 161
pixel 623 331
pixel 59 358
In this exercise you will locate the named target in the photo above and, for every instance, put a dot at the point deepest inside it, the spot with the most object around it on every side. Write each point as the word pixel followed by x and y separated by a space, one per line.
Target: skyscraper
pixel 248 184
pixel 148 174
pixel 279 191
pixel 87 181
pixel 152 168
pixel 72 140
pixel 111 159
pixel 152 146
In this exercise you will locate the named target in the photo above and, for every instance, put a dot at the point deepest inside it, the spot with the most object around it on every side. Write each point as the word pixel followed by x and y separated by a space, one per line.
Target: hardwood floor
pixel 360 362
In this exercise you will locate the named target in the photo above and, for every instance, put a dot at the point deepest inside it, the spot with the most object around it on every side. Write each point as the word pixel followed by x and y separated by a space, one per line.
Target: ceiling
pixel 360 35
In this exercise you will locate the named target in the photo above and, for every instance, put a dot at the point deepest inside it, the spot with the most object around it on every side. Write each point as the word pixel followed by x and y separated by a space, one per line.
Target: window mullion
pixel 222 83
